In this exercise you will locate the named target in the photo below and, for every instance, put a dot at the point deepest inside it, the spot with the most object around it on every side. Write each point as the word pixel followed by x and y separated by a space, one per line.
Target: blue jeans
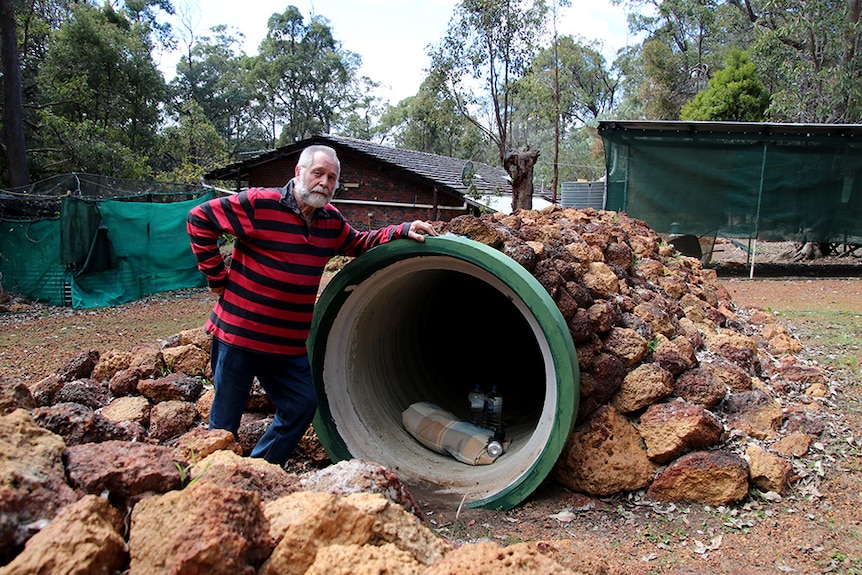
pixel 286 380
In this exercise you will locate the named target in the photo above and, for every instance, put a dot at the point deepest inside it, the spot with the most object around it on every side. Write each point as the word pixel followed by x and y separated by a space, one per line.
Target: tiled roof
pixel 442 170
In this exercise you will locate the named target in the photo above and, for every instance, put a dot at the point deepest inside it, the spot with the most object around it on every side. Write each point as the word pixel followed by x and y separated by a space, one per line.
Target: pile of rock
pixel 682 394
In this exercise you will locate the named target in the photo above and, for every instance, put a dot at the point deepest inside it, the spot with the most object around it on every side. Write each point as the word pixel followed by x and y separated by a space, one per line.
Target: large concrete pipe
pixel 410 322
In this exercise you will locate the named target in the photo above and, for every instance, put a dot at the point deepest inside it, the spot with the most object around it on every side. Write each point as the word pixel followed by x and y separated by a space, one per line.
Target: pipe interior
pixel 428 329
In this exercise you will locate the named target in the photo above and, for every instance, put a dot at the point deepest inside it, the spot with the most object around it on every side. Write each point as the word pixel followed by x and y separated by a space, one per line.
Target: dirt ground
pixel 815 528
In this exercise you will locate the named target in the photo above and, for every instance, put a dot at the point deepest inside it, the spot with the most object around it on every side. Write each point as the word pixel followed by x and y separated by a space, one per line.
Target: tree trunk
pixel 519 166
pixel 13 120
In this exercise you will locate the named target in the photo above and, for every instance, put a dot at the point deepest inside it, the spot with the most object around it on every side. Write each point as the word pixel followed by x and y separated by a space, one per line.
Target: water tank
pixel 583 195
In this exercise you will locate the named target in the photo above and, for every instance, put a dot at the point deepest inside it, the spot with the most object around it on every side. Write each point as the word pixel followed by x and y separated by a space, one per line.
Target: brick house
pixel 380 185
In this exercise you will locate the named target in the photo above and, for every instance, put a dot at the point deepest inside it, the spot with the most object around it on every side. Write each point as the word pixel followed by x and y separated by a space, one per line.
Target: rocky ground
pixel 814 528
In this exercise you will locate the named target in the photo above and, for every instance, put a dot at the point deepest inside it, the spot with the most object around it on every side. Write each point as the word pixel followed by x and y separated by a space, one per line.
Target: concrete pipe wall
pixel 410 322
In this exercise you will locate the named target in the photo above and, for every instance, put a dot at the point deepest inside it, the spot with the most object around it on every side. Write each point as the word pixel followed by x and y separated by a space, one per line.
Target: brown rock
pixel 735 378
pixel 204 528
pixel 84 537
pixel 817 390
pixel 302 523
pixel 198 337
pixel 626 344
pixel 673 286
pixel 135 408
pixel 737 348
pixel 364 560
pixel 580 327
pixel 356 476
pixel 124 469
pixel 705 477
pixel 754 413
pixel 14 395
pixel 648 383
pixel 602 316
pixel 521 253
pixel 768 472
pixel 660 321
pixel 124 382
pixel 147 359
pixel 619 254
pixel 79 367
pixel 78 424
pixel 700 386
pixel 603 377
pixel 171 419
pixel 188 359
pixel 783 343
pixel 475 229
pixel 577 555
pixel 310 448
pixel 32 478
pixel 675 356
pixel 604 457
pixel 802 374
pixel 676 427
pixel 85 392
pixel 44 390
pixel 227 468
pixel 205 403
pixel 198 443
pixel 110 363
pixel 175 386
pixel 487 558
pixel 252 426
pixel 601 280
pixel 793 445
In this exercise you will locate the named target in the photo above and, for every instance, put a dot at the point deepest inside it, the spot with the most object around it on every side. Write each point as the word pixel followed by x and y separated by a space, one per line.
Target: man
pixel 283 239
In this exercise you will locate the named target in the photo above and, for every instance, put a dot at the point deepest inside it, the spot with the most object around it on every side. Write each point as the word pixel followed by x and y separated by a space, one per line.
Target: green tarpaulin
pixel 788 182
pixel 99 252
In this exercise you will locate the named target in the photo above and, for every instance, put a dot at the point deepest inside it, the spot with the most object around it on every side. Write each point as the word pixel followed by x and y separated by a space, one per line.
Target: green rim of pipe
pixel 528 289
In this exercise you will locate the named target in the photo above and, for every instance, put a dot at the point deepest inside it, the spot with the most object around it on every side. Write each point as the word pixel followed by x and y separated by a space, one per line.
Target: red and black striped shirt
pixel 276 266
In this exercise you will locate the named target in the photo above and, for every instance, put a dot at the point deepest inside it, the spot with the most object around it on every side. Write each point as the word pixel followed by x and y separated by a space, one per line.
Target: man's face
pixel 315 184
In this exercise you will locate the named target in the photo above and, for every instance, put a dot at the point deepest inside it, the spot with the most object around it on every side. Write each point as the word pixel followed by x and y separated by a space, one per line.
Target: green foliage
pixel 302 76
pixel 430 122
pixel 811 53
pixel 104 92
pixel 734 94
pixel 487 48
pixel 93 99
pixel 190 148
pixel 215 76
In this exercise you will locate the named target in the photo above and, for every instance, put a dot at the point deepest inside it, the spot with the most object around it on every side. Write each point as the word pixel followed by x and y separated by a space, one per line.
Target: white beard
pixel 316 197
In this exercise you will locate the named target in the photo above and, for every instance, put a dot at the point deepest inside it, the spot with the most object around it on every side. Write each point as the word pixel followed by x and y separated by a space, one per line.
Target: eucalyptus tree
pixel 575 75
pixel 487 48
pixel 810 55
pixel 429 122
pixel 215 74
pixel 686 41
pixel 190 147
pixel 303 76
pixel 101 94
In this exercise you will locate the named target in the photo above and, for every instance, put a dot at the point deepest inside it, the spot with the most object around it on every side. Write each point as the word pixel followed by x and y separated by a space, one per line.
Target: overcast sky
pixel 391 36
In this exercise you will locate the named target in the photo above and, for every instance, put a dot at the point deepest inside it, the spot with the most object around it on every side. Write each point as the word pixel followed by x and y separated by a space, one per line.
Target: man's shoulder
pixel 266 193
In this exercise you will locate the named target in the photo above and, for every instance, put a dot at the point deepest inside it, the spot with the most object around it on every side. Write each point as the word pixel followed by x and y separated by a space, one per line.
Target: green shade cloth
pixel 782 182
pixel 100 252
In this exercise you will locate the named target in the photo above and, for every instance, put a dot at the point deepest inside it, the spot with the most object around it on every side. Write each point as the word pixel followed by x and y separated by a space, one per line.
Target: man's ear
pixel 296 171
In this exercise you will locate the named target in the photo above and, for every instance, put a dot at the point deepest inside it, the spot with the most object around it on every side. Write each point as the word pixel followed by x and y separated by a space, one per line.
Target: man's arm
pixel 204 229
